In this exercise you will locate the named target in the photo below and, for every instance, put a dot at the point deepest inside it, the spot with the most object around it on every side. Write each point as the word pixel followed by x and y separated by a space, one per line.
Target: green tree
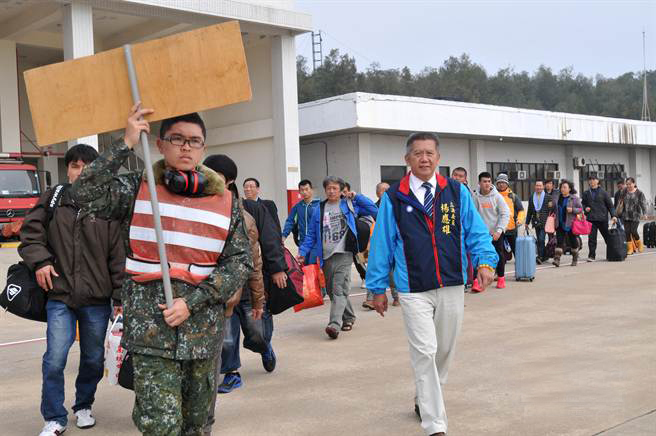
pixel 461 79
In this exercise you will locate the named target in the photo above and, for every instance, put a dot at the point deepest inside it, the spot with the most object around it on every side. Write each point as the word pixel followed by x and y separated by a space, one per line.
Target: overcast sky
pixel 593 37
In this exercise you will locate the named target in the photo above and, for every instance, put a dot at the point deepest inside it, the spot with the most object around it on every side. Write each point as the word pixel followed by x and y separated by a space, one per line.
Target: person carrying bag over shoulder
pixel 78 259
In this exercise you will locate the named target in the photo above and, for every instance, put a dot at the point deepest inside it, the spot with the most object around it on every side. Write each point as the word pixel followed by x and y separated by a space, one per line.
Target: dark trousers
pixel 631 228
pixel 257 335
pixel 602 226
pixel 361 269
pixel 567 238
pixel 511 237
pixel 501 266
pixel 541 236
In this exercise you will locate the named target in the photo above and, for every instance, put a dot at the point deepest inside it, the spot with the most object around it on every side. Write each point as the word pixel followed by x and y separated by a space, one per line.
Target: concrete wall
pixel 357 157
pixel 253 158
pixel 339 152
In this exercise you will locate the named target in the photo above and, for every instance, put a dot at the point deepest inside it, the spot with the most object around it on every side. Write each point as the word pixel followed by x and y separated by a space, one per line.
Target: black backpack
pixel 22 295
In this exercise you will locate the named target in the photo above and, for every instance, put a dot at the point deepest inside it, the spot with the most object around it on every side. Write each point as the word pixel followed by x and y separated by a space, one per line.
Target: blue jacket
pixel 427 254
pixel 301 213
pixel 313 243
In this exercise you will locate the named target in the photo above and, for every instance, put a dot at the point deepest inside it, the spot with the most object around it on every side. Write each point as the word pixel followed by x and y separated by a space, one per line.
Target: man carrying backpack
pixel 597 205
pixel 333 234
pixel 79 260
pixel 514 205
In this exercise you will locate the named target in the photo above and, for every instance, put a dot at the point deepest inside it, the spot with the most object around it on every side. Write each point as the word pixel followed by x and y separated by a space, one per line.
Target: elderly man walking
pixel 426 226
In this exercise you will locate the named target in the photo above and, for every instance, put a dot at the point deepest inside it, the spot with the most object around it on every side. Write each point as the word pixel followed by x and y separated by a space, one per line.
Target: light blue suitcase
pixel 525 257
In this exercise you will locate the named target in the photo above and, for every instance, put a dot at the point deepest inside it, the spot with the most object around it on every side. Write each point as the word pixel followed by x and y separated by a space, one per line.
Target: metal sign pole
pixel 164 263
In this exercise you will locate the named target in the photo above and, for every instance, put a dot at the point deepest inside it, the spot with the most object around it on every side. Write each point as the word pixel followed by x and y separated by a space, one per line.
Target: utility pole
pixel 646 116
pixel 317 50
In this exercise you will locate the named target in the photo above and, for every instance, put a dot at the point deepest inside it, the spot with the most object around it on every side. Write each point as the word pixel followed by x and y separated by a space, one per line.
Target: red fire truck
pixel 20 189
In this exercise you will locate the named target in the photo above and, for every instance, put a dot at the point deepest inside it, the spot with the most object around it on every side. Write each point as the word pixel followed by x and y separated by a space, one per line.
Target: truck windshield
pixel 18 183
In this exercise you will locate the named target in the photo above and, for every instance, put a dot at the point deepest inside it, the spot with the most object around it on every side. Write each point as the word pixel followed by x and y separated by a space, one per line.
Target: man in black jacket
pixel 597 205
pixel 273 270
pixel 540 205
pixel 252 192
pixel 79 260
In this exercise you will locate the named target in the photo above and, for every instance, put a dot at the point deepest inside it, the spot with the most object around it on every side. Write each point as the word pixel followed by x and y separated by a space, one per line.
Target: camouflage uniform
pixel 174 367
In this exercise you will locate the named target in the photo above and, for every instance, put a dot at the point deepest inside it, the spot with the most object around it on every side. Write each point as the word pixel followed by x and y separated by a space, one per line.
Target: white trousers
pixel 432 322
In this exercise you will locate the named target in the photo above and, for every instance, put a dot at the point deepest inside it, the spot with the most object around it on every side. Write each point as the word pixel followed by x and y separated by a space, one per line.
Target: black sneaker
pixel 231 381
pixel 269 360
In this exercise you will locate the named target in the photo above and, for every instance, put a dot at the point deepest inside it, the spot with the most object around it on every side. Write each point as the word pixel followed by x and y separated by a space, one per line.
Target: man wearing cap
pixel 516 207
pixel 597 205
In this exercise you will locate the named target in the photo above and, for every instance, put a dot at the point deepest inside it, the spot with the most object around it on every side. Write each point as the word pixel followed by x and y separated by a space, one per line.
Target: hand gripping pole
pixel 164 263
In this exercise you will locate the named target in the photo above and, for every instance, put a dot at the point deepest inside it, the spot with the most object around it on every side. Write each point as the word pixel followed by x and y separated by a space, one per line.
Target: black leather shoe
pixel 417 412
pixel 332 333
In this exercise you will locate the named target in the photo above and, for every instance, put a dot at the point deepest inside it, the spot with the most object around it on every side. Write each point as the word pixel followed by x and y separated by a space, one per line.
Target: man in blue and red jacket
pixel 425 227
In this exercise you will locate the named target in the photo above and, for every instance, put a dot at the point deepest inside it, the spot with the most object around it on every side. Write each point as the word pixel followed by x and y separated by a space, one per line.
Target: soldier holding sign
pixel 209 259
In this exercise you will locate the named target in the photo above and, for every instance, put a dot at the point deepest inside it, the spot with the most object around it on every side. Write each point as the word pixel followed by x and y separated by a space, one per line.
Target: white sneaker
pixel 52 428
pixel 85 419
pixel 363 285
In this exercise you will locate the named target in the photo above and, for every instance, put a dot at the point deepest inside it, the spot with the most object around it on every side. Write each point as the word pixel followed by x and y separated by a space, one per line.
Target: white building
pixel 261 135
pixel 361 138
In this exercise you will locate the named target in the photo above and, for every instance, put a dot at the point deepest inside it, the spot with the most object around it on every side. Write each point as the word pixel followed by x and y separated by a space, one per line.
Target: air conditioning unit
pixel 518 175
pixel 553 175
pixel 623 175
pixel 579 162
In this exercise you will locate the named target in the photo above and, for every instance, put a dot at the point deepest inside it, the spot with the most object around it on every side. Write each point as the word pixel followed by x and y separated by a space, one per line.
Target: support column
pixel 477 162
pixel 367 179
pixel 77 33
pixel 632 171
pixel 652 171
pixel 286 152
pixel 9 114
pixel 571 173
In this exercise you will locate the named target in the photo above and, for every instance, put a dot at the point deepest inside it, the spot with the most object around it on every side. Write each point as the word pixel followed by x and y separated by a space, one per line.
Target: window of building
pixel 393 173
pixel 608 174
pixel 534 171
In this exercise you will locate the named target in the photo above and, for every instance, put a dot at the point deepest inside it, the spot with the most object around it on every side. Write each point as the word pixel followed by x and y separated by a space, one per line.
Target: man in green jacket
pixel 173 350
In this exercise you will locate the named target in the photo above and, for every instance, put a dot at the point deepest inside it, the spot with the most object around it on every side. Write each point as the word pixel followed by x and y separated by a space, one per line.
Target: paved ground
pixel 573 353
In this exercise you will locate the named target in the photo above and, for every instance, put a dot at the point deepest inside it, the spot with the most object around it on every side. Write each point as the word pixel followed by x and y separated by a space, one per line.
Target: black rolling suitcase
pixel 649 235
pixel 616 247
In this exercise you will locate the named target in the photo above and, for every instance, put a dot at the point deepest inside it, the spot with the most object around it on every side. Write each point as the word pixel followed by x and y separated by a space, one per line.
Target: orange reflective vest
pixel 194 232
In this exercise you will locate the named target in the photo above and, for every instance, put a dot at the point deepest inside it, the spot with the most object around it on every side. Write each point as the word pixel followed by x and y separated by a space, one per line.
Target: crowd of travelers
pixel 96 256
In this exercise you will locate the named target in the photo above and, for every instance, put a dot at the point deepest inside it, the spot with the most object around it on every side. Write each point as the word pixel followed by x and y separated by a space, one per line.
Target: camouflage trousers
pixel 172 397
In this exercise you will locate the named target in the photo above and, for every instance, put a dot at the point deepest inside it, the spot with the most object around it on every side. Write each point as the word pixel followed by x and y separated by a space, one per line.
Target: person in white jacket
pixel 495 213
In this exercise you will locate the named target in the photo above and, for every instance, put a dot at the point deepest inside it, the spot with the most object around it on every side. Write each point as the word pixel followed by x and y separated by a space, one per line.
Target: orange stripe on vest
pixel 194 231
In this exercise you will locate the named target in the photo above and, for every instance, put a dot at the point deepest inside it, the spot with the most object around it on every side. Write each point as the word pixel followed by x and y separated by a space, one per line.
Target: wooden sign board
pixel 187 72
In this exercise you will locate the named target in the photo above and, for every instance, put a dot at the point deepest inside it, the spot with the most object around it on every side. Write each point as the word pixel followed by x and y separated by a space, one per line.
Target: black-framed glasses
pixel 180 141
